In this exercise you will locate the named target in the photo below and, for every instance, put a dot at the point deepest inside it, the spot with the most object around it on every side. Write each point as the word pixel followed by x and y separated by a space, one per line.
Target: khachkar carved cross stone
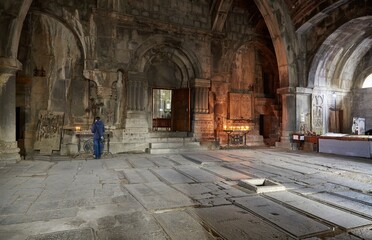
pixel 49 130
pixel 317 108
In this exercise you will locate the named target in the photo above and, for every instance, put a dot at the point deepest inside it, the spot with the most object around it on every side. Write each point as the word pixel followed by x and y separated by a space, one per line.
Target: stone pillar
pixel 136 94
pixel 136 123
pixel 303 109
pixel 200 95
pixel 9 151
pixel 288 116
pixel 202 121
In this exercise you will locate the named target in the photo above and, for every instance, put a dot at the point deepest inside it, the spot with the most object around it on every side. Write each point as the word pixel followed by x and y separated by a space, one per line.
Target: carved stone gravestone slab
pixel 240 106
pixel 48 132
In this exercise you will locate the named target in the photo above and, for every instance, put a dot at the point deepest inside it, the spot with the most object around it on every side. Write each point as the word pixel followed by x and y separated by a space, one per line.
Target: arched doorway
pixel 170 96
pixel 168 65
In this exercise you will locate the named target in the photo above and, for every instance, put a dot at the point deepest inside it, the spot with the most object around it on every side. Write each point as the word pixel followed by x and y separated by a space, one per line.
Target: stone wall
pixel 362 106
pixel 83 59
pixel 180 12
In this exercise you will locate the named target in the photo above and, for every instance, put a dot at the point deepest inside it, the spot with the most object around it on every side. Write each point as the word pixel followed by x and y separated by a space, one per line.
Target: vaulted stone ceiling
pixel 301 11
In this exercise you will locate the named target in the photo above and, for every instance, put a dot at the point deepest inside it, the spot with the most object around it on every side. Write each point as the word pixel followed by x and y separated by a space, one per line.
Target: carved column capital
pixel 10 65
pixel 4 78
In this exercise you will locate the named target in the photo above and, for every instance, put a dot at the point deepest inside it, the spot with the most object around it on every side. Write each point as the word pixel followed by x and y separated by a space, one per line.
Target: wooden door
pixel 335 121
pixel 181 110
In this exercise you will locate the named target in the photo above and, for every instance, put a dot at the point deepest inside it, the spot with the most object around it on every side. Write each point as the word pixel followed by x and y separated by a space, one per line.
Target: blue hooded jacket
pixel 98 129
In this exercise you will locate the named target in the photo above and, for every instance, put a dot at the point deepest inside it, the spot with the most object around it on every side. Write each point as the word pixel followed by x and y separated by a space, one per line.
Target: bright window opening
pixel 368 82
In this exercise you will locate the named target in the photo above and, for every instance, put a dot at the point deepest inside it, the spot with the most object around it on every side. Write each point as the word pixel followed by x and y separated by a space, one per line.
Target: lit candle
pixel 224 127
pixel 77 128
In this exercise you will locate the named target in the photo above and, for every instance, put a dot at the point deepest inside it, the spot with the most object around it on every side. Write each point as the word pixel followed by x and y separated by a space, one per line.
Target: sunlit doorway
pixel 161 109
pixel 171 110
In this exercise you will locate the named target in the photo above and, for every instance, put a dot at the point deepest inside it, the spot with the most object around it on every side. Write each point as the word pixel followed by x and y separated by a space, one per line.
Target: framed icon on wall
pixel 359 126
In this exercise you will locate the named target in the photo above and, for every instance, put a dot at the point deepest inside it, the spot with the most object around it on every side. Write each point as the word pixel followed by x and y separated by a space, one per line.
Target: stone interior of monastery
pixel 224 119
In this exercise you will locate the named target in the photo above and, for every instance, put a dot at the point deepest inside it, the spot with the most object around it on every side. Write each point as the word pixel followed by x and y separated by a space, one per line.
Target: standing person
pixel 98 130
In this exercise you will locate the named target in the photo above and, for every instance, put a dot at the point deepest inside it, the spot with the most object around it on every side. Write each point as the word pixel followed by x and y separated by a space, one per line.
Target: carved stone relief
pixel 318 113
pixel 48 132
pixel 117 96
pixel 240 106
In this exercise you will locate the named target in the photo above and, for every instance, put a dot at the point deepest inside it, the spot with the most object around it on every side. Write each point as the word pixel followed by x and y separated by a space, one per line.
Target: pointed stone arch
pixel 283 36
pixel 336 60
pixel 170 48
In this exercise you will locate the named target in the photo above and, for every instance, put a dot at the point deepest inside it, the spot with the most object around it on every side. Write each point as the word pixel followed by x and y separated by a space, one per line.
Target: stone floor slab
pixel 66 166
pixel 213 201
pixel 163 162
pixel 171 176
pixel 39 216
pixel 180 225
pixel 226 173
pixel 345 203
pixel 141 162
pixel 291 166
pixel 139 176
pixel 195 191
pixel 232 222
pixel 201 158
pixel 117 164
pixel 332 215
pixel 133 226
pixel 198 174
pixel 289 220
pixel 180 160
pixel 224 156
pixel 248 170
pixel 361 197
pixel 157 195
pixel 76 234
pixel 39 197
pixel 345 181
pixel 273 170
pixel 363 233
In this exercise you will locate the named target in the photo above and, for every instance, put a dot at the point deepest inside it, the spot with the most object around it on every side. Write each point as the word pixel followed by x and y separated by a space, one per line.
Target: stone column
pixel 136 95
pixel 202 121
pixel 303 109
pixel 9 151
pixel 137 122
pixel 200 95
pixel 288 116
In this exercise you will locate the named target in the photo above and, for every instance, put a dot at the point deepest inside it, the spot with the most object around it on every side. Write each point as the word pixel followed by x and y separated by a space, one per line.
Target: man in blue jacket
pixel 98 129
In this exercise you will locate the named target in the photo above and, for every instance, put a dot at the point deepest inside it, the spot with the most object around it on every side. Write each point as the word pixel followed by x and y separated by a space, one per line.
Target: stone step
pixel 171 140
pixel 162 142
pixel 179 144
pixel 166 134
pixel 174 150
